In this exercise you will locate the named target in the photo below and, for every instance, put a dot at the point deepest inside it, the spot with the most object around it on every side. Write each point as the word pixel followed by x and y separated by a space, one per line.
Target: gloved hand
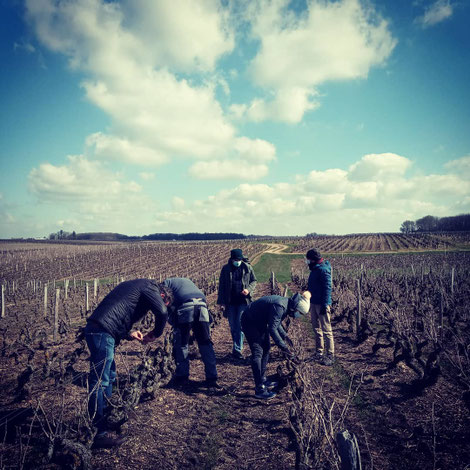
pixel 323 310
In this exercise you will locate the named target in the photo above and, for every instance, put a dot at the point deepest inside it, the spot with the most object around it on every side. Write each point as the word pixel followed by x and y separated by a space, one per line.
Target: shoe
pixel 264 394
pixel 104 441
pixel 328 360
pixel 270 384
pixel 180 380
pixel 212 383
pixel 237 355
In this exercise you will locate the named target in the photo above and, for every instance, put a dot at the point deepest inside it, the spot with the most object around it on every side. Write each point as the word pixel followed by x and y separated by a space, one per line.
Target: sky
pixel 268 117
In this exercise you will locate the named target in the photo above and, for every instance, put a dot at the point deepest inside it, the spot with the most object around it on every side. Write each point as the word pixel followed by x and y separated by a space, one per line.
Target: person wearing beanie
pixel 237 283
pixel 319 284
pixel 261 321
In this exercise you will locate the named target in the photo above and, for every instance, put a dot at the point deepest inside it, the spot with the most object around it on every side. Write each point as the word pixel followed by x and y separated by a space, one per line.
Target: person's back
pixel 261 311
pixel 184 290
pixel 126 304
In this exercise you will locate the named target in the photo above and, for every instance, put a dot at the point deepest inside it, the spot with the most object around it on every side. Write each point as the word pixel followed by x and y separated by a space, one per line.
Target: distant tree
pixel 428 223
pixel 408 226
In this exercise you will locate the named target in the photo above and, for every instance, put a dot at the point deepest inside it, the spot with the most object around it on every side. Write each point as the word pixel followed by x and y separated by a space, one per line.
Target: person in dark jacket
pixel 261 321
pixel 189 312
pixel 319 284
pixel 237 284
pixel 107 326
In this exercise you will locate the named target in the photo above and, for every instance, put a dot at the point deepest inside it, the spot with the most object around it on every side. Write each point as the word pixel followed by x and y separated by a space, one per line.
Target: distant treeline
pixel 430 223
pixel 110 236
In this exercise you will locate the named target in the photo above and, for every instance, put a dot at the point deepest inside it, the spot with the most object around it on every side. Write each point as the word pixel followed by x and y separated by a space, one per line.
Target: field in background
pixel 401 322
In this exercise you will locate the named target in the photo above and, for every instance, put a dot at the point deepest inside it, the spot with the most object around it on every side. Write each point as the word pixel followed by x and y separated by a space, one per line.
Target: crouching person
pixel 110 323
pixel 189 312
pixel 261 321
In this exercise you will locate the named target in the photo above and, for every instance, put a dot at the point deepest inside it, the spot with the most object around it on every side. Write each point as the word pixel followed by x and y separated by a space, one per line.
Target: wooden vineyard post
pixel 66 287
pixel 272 280
pixel 95 288
pixel 441 316
pixel 86 297
pixel 359 313
pixel 45 300
pixel 452 278
pixel 348 451
pixel 3 301
pixel 56 314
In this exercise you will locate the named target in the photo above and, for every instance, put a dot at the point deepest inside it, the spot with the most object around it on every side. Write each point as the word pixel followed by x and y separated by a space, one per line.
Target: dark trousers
pixel 201 331
pixel 260 345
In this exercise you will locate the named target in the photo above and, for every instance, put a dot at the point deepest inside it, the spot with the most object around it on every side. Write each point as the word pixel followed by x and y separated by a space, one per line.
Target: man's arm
pixel 160 312
pixel 325 286
pixel 275 317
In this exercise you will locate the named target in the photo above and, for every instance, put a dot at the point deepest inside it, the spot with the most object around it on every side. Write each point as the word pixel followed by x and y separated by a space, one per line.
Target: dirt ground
pixel 198 428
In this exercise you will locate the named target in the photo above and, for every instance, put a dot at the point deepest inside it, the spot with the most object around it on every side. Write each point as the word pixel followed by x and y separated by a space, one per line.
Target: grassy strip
pixel 279 264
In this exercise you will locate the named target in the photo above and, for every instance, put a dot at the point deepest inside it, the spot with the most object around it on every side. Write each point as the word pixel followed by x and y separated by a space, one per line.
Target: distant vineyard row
pixel 381 242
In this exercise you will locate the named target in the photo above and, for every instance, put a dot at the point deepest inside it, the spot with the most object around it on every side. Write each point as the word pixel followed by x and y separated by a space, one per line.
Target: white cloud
pixel 114 148
pixel 289 105
pixel 91 198
pixel 379 167
pixel 177 203
pixel 374 194
pixel 329 41
pixel 460 166
pixel 80 180
pixel 131 53
pixel 228 169
pixel 182 34
pixel 436 13
pixel 147 176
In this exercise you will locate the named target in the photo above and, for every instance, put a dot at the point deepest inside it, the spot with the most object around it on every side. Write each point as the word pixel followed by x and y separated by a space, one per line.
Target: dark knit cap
pixel 313 254
pixel 236 254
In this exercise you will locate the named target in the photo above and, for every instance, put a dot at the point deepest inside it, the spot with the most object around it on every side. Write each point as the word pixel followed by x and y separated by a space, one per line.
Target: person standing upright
pixel 319 284
pixel 237 283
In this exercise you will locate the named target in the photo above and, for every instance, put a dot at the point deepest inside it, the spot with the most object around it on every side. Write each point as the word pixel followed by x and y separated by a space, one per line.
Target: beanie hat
pixel 313 254
pixel 300 304
pixel 236 254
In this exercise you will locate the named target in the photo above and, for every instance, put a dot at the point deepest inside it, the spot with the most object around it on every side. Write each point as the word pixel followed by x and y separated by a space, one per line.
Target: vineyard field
pixel 401 380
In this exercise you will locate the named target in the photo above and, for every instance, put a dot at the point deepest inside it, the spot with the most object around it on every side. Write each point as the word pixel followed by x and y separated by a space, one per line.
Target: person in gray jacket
pixel 261 321
pixel 237 283
pixel 189 312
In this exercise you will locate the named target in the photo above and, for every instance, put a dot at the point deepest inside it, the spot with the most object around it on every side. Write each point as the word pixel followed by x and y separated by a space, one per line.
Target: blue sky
pixel 261 117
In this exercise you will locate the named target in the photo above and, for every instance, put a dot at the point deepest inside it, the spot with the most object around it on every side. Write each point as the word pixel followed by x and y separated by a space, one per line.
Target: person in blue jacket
pixel 319 284
pixel 189 312
pixel 107 326
pixel 261 321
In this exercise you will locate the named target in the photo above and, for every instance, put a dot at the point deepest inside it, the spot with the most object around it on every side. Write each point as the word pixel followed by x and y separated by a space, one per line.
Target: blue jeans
pixel 102 373
pixel 234 315
pixel 181 347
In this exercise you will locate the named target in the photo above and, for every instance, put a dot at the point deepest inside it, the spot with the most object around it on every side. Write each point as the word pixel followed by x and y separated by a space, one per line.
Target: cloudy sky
pixel 253 116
